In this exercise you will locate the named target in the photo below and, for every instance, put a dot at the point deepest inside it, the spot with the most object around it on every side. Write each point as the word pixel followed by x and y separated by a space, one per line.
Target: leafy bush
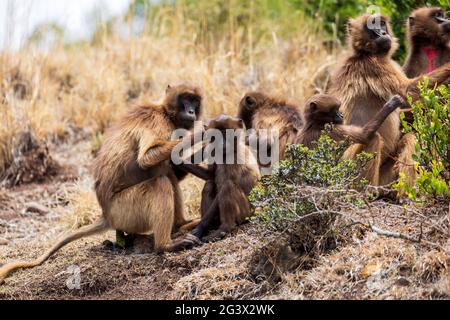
pixel 431 126
pixel 279 199
pixel 299 205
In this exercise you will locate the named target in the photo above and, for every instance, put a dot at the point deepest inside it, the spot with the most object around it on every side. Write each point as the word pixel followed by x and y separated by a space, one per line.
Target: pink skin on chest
pixel 431 54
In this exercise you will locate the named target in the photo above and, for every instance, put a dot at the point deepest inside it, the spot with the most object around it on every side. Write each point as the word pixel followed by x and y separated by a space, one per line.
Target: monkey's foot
pixel 185 228
pixel 111 246
pixel 187 242
pixel 123 242
pixel 214 236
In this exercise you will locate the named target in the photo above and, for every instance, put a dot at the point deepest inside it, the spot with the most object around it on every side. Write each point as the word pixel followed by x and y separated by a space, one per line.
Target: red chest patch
pixel 431 54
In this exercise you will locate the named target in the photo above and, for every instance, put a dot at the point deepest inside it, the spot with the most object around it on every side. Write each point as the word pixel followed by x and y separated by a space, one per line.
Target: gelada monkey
pixel 323 109
pixel 428 42
pixel 155 205
pixel 224 202
pixel 366 80
pixel 261 111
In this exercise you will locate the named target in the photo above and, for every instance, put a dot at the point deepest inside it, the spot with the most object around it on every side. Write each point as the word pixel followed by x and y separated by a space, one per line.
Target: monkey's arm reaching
pixel 153 151
pixel 364 134
pixel 439 76
pixel 198 171
pixel 134 174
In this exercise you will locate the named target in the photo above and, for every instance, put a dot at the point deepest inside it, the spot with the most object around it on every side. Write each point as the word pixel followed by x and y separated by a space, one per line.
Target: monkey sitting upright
pixel 367 79
pixel 324 109
pixel 428 41
pixel 155 205
pixel 260 111
pixel 224 203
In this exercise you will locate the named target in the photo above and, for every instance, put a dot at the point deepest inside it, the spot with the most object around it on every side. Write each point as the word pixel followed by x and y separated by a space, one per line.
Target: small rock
pixel 402 282
pixel 34 207
pixel 4 242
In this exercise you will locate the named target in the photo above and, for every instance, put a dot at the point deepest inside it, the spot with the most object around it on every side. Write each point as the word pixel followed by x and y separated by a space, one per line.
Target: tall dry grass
pixel 89 86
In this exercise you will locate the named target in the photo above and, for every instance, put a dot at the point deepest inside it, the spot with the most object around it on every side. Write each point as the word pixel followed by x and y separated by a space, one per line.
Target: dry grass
pixel 86 88
pixel 89 87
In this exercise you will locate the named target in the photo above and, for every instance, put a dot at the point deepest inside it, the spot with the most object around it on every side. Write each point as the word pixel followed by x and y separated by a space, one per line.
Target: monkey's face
pixel 188 109
pixel 381 38
pixel 429 25
pixel 371 34
pixel 323 109
pixel 184 105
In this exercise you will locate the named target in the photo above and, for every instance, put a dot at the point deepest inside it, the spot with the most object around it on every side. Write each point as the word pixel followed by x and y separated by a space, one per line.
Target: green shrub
pixel 283 197
pixel 431 126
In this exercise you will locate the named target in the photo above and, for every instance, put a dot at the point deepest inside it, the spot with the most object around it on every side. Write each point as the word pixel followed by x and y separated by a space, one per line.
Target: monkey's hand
pixel 395 102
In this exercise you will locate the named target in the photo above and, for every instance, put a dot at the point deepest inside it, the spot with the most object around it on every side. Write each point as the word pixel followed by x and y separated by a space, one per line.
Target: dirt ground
pixel 368 266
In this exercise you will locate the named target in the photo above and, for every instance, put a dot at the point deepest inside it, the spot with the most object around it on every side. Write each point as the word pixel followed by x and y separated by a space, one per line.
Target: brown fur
pixel 427 28
pixel 224 202
pixel 142 136
pixel 367 79
pixel 260 111
pixel 324 109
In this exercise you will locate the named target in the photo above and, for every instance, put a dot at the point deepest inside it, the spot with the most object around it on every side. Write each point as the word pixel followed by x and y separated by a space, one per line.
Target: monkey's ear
pixel 250 102
pixel 241 124
pixel 168 88
pixel 313 106
pixel 411 21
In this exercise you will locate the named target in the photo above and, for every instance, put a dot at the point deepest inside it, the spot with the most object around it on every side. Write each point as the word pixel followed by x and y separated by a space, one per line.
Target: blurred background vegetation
pixel 257 19
pixel 227 47
pixel 246 22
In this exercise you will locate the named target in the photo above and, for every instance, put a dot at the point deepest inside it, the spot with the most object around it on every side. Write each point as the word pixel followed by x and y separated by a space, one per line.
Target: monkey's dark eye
pixel 195 103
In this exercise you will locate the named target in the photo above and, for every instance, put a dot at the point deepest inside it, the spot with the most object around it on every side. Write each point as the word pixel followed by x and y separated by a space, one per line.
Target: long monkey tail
pixel 97 227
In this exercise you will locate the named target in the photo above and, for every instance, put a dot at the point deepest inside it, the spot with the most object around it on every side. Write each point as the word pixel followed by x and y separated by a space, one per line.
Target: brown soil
pixel 367 266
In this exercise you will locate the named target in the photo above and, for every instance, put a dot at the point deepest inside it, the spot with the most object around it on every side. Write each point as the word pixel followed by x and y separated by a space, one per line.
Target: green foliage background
pixel 335 13
pixel 431 127
pixel 256 18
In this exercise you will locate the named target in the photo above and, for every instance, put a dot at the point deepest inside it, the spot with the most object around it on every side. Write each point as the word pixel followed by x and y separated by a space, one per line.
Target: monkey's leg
pixel 163 218
pixel 282 147
pixel 180 219
pixel 209 210
pixel 372 172
pixel 163 222
pixel 123 241
pixel 375 146
pixel 207 220
pixel 229 208
pixel 405 162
